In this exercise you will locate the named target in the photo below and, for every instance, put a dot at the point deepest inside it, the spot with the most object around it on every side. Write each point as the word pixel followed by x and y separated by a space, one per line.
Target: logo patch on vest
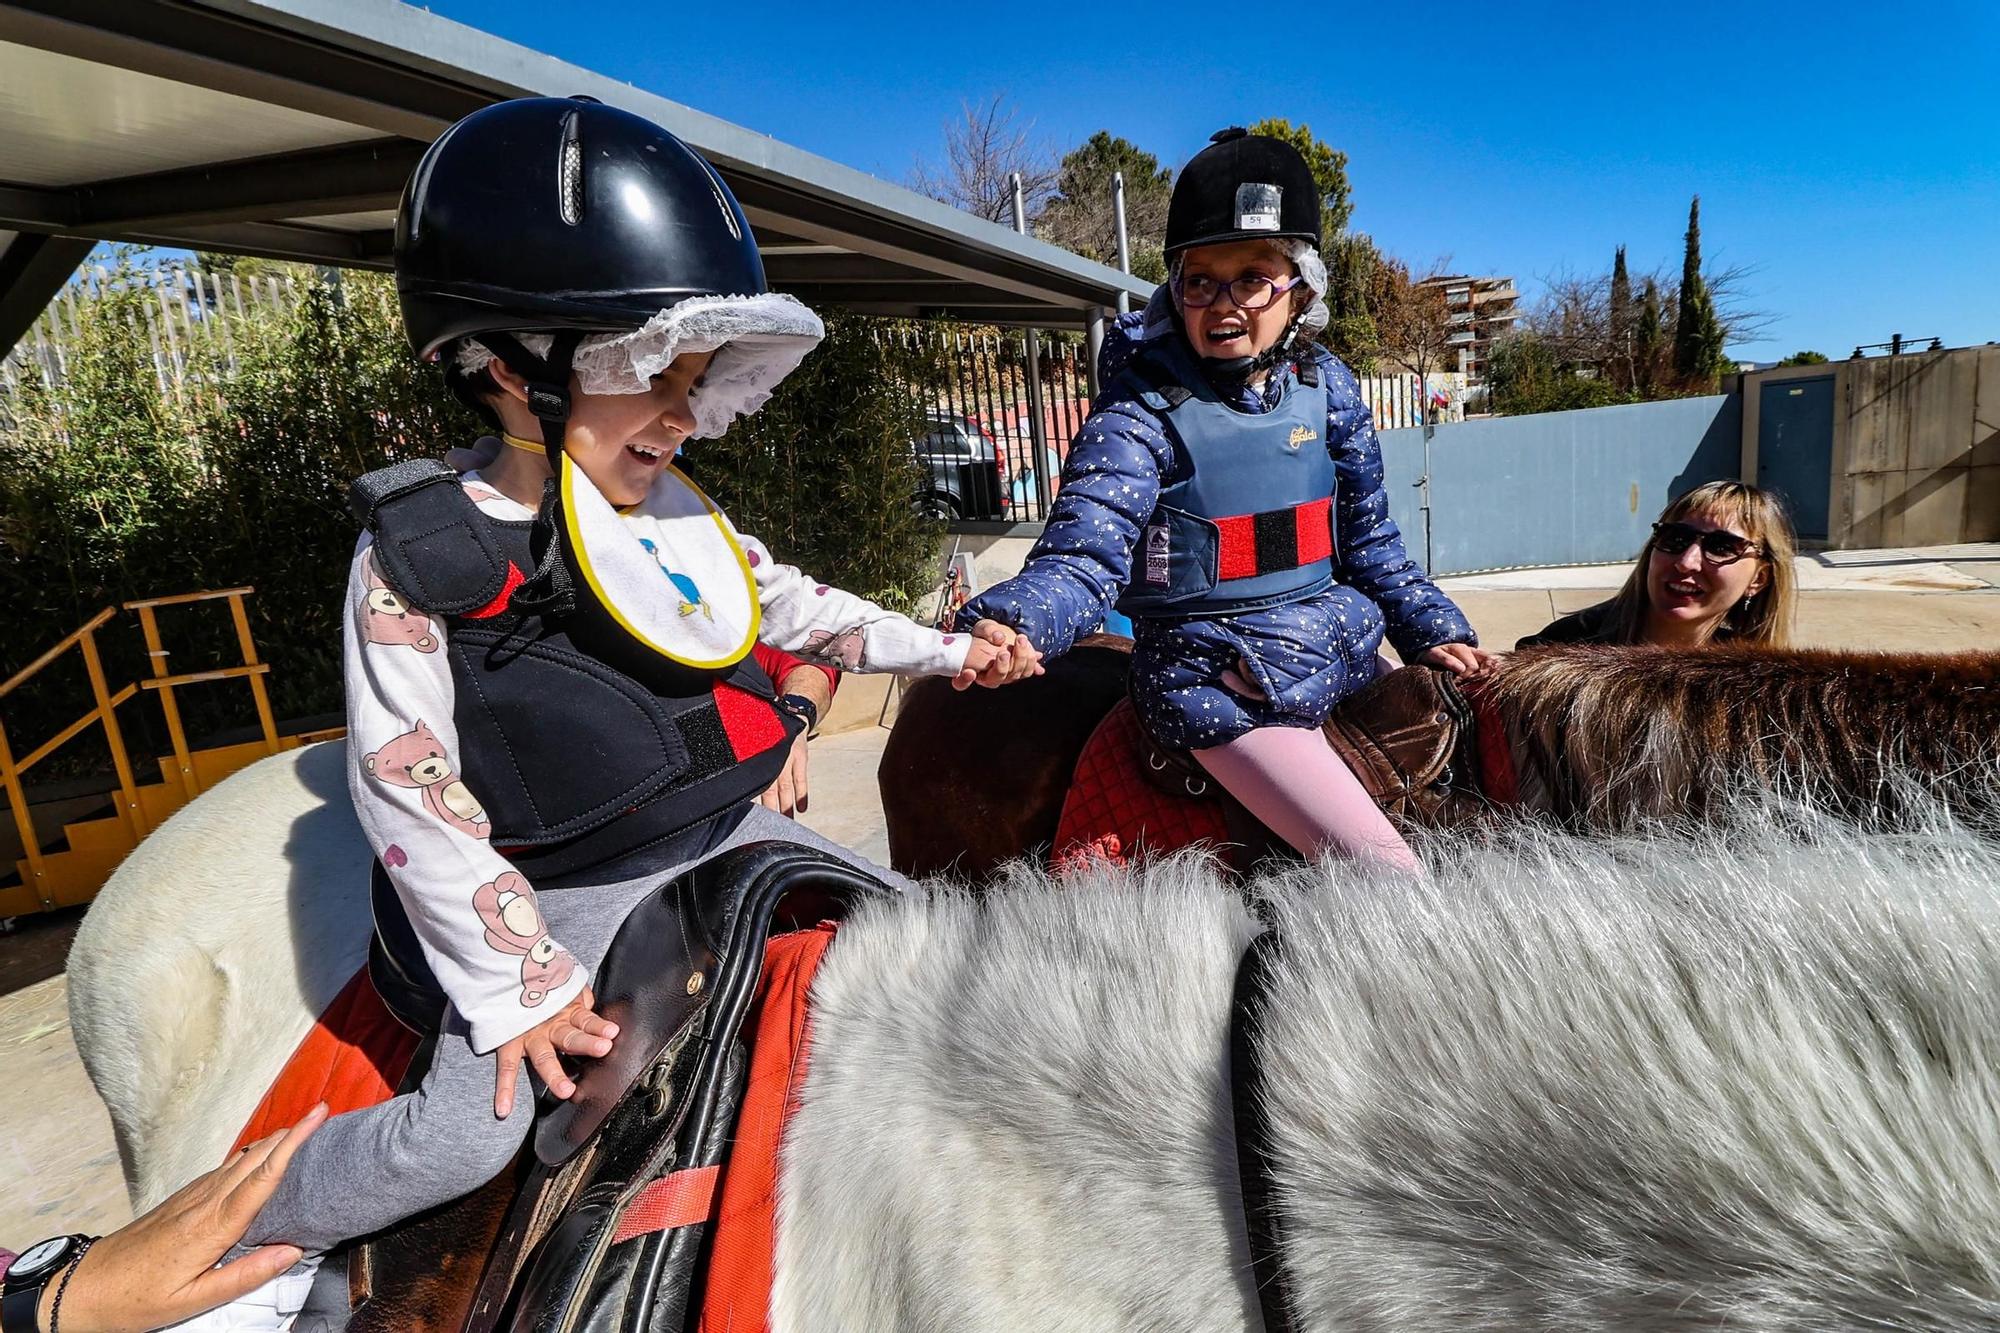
pixel 1159 546
pixel 1302 435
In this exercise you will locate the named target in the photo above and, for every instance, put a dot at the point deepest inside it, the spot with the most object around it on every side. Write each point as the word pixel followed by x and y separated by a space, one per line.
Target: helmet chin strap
pixel 1233 372
pixel 549 591
pixel 548 382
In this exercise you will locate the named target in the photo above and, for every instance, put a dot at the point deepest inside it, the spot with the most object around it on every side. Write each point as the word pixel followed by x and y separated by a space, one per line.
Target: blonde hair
pixel 1765 617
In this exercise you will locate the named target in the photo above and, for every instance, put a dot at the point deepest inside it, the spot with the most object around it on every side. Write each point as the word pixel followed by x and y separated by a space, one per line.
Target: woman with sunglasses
pixel 1226 495
pixel 1717 569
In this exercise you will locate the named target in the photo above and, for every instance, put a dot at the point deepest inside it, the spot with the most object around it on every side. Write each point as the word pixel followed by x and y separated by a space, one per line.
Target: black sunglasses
pixel 1717 547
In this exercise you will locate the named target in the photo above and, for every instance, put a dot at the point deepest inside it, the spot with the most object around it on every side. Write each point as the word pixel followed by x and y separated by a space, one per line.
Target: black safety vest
pixel 580 743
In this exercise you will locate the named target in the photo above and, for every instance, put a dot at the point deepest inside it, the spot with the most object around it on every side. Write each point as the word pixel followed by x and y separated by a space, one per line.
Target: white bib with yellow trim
pixel 668 569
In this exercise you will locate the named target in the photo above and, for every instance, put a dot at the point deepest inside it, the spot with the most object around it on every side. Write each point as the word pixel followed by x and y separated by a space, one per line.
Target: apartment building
pixel 1482 310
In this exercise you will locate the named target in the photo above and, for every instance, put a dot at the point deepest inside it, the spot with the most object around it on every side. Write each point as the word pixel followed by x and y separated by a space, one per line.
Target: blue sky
pixel 1850 153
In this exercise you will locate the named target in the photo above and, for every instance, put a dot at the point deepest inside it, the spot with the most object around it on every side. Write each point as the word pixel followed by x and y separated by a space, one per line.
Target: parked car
pixel 963 468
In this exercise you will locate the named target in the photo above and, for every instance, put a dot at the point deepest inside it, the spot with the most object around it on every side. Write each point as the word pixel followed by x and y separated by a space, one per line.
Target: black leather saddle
pixel 678 980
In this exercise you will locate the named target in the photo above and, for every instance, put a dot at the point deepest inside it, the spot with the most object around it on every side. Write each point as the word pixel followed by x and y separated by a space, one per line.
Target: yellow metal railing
pixel 105 714
pixel 131 811
pixel 165 683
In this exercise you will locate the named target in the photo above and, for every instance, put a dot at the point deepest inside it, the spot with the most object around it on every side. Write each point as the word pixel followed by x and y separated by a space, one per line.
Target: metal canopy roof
pixel 285 128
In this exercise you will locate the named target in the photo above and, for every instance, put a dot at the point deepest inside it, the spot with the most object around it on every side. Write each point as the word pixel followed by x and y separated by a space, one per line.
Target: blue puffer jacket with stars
pixel 1305 656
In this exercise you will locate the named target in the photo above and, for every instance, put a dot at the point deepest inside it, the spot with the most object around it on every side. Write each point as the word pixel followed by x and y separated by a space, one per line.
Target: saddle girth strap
pixel 1254 1142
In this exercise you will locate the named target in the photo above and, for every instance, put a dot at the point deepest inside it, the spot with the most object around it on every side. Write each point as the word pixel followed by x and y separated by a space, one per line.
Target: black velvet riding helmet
pixel 1243 187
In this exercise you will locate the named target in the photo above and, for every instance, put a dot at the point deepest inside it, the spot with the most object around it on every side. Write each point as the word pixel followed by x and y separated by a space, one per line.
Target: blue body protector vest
pixel 1245 518
pixel 580 744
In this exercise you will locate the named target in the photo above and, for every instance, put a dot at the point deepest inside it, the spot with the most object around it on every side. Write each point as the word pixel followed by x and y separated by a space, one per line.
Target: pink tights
pixel 1293 781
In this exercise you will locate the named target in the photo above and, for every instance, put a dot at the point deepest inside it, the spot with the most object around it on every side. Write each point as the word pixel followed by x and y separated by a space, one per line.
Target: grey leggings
pixel 368 1169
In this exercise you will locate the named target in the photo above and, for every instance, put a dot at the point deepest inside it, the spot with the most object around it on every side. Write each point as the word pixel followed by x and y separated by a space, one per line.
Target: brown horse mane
pixel 1607 734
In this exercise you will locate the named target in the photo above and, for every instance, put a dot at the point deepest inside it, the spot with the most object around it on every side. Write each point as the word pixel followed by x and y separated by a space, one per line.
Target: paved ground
pixel 58 1170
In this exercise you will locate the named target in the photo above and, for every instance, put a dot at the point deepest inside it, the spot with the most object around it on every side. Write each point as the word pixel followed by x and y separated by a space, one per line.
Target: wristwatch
pixel 802 708
pixel 29 1274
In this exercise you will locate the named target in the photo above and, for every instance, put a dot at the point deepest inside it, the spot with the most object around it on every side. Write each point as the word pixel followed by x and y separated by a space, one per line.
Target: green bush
pixel 1525 376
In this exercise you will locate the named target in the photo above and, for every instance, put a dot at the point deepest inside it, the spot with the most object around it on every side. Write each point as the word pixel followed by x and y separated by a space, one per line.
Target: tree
pixel 1080 216
pixel 1355 273
pixel 1621 321
pixel 1698 334
pixel 983 150
pixel 1803 359
pixel 1647 340
pixel 1415 322
pixel 1329 170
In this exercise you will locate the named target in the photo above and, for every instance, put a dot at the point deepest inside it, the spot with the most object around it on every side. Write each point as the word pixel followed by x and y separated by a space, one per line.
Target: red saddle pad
pixel 1113 811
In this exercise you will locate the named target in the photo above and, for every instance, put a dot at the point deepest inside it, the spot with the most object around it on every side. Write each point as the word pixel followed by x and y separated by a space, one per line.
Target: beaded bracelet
pixel 55 1309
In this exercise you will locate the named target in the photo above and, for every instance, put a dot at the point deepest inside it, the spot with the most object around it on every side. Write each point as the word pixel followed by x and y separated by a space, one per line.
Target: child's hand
pixel 1018 661
pixel 1460 659
pixel 574 1029
pixel 999 655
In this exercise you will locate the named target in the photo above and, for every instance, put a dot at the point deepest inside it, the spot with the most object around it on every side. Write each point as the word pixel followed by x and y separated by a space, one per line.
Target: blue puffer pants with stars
pixel 1305 657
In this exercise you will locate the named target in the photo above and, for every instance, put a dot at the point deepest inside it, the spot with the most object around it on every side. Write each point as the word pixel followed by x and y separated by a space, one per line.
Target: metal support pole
pixel 1424 488
pixel 1038 444
pixel 1124 244
pixel 1093 345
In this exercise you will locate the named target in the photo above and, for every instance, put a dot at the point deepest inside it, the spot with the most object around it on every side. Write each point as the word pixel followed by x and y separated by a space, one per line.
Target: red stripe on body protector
pixel 1236 554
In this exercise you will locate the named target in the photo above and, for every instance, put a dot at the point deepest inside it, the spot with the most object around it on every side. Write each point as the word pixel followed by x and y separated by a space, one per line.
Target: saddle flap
pixel 685 962
pixel 1399 735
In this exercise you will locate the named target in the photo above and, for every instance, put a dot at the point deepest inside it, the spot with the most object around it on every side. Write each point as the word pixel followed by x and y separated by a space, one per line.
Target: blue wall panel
pixel 1557 488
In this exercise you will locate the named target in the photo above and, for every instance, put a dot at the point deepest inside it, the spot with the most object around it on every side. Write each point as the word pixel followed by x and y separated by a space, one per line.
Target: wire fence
pixel 190 319
pixel 980 444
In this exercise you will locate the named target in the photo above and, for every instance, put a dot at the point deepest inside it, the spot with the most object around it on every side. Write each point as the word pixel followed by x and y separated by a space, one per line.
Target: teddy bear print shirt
pixel 475 915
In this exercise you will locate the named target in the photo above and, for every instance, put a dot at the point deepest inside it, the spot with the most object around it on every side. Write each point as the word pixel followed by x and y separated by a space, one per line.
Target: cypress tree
pixel 1697 332
pixel 1646 339
pixel 1621 322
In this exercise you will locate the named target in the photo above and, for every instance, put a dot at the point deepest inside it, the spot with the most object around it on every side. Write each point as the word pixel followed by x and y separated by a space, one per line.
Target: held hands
pixel 1000 655
pixel 575 1029
pixel 1460 659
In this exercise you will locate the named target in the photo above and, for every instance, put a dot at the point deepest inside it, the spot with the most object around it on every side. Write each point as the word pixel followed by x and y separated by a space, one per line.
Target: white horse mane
pixel 1744 1079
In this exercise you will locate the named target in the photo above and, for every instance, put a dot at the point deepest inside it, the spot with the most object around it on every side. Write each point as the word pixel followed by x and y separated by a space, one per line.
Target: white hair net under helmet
pixel 757 341
pixel 1312 272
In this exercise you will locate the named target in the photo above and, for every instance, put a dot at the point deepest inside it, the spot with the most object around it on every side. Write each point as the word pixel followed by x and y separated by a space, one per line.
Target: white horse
pixel 1743 1079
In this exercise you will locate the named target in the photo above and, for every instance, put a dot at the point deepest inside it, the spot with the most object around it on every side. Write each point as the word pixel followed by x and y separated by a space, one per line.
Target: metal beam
pixel 33 269
pixel 913 293
pixel 191 43
pixel 828 264
pixel 347 178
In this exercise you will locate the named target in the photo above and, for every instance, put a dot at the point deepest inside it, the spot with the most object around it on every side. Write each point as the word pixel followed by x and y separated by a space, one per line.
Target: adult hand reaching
pixel 160 1268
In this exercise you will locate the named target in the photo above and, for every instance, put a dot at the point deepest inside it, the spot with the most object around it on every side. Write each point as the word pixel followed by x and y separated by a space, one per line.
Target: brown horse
pixel 1599 737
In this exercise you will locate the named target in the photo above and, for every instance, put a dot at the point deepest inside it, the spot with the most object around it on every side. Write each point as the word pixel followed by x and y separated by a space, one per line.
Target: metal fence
pixel 979 443
pixel 189 316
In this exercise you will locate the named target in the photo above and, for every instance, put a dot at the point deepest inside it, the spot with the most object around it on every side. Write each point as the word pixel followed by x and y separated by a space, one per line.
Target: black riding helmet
pixel 564 216
pixel 1243 187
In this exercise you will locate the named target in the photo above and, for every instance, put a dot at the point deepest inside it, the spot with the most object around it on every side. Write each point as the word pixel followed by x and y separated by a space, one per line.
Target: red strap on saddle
pixel 1275 540
pixel 750 723
pixel 1497 779
pixel 677 1200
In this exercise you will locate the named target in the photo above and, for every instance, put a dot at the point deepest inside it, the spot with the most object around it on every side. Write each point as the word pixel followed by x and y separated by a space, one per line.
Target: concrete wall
pixel 1557 488
pixel 1916 447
